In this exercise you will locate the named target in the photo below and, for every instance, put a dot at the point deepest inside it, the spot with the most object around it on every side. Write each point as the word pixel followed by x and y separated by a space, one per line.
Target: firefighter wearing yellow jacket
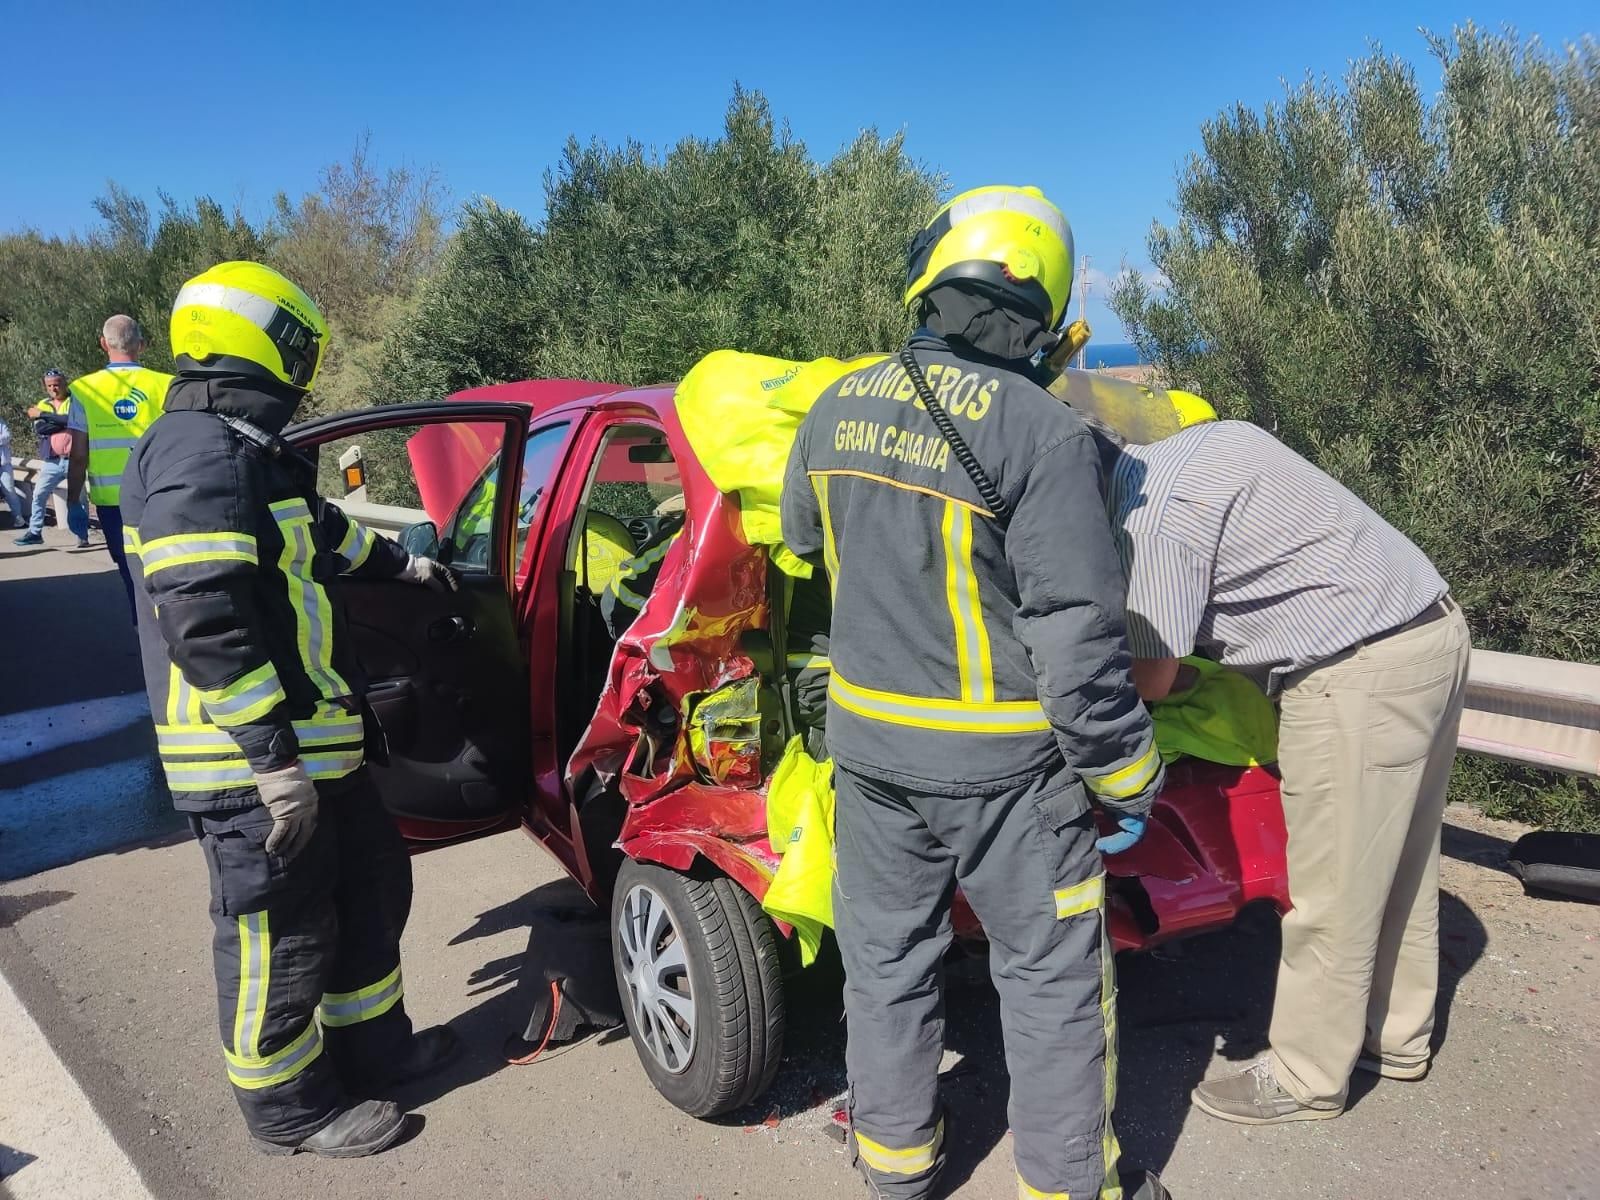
pixel 979 703
pixel 259 725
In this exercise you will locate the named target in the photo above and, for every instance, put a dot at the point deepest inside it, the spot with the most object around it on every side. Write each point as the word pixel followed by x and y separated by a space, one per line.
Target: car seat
pixel 606 545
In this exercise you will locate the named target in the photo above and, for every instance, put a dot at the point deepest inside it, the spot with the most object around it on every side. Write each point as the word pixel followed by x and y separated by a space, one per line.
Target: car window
pixel 538 462
pixel 390 479
pixel 467 540
pixel 634 501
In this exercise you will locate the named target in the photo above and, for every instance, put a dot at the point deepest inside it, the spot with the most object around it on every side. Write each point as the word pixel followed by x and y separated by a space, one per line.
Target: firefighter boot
pixel 426 1052
pixel 1144 1185
pixel 362 1129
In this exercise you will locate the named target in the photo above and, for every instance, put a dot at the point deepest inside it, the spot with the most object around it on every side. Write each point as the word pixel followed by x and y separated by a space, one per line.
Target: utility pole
pixel 1083 292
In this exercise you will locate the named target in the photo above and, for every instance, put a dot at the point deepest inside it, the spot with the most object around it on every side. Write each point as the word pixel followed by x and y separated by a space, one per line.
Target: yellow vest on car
pixel 120 403
pixel 740 413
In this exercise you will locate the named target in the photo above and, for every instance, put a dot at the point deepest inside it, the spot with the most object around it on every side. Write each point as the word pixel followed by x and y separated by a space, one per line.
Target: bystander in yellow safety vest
pixel 120 403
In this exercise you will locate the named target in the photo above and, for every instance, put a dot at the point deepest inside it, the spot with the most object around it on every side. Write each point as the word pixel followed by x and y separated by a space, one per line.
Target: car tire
pixel 698 969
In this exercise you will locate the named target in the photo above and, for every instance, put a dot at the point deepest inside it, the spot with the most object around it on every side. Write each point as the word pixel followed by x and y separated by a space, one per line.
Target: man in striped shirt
pixel 1239 550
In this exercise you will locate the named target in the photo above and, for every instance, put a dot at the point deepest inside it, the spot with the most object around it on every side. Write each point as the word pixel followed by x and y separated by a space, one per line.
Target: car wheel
pixel 699 975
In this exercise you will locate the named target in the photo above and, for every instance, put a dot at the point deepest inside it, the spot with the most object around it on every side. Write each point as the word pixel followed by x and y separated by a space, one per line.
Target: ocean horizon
pixel 1112 354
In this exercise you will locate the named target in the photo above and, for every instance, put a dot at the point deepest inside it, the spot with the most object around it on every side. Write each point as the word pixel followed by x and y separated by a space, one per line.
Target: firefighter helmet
pixel 242 318
pixel 1011 240
pixel 1192 410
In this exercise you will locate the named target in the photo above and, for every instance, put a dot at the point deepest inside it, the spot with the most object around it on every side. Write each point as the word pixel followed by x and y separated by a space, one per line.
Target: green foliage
pixel 1407 290
pixel 359 245
pixel 644 263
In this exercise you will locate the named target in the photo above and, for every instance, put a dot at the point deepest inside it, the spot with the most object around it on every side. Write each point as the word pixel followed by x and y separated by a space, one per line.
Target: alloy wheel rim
pixel 655 968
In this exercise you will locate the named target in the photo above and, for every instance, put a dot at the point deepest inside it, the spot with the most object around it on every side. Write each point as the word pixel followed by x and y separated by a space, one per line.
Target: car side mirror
pixel 421 539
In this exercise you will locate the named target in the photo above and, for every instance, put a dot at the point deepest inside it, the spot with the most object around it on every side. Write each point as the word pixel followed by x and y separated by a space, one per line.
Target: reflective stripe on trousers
pixel 913 1160
pixel 351 1008
pixel 247 1067
pixel 183 702
pixel 1077 900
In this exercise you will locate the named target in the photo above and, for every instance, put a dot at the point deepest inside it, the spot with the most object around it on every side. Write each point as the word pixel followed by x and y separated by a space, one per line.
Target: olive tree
pixel 1406 288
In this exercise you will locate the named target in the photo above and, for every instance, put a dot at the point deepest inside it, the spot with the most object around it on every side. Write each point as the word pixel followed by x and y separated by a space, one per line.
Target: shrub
pixel 1407 290
pixel 643 264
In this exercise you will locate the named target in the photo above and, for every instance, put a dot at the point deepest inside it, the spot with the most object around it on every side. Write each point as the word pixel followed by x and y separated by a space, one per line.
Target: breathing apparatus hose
pixel 998 508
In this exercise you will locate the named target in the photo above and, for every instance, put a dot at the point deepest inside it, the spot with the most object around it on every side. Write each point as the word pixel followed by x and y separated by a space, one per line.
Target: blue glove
pixel 1115 843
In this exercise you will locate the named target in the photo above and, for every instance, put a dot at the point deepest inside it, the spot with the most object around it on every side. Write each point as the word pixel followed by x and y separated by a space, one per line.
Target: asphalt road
pixel 78 769
pixel 116 1065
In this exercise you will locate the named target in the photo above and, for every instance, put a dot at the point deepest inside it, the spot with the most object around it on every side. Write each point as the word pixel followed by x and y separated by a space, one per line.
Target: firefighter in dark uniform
pixel 259 725
pixel 979 703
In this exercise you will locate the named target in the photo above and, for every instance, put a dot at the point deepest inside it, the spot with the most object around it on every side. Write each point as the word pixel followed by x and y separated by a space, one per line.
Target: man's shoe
pixel 1377 1064
pixel 1255 1097
pixel 83 543
pixel 365 1128
pixel 427 1052
pixel 30 539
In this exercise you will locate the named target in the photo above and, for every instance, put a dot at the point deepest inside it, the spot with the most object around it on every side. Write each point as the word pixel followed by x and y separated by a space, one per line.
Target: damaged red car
pixel 638 756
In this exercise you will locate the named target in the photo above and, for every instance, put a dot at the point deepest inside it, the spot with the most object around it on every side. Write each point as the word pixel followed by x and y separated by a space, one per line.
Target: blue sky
pixel 1097 104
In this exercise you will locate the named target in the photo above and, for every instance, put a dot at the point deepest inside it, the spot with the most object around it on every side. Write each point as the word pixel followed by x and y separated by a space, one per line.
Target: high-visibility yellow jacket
pixel 120 402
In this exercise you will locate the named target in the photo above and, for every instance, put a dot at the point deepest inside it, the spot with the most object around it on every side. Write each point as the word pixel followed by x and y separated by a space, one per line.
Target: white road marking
pixel 38 730
pixel 52 1144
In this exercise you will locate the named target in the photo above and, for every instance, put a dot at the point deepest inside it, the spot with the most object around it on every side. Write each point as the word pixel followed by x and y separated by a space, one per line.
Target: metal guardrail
pixel 1537 711
pixel 384 518
pixel 1540 712
pixel 26 471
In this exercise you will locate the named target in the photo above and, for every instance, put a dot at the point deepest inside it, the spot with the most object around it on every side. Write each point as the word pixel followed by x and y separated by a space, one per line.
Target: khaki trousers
pixel 1366 744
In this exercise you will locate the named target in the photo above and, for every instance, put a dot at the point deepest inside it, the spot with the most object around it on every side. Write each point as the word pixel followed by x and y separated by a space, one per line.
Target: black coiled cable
pixel 947 428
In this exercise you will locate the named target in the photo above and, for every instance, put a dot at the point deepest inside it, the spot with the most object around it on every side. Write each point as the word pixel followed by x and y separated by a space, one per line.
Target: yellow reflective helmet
pixel 1010 239
pixel 1192 410
pixel 241 318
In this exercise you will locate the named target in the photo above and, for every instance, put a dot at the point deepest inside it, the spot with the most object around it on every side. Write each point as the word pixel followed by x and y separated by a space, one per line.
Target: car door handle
pixel 450 629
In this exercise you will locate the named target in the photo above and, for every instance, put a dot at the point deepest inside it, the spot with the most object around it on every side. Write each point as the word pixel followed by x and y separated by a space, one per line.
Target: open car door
pixel 446 673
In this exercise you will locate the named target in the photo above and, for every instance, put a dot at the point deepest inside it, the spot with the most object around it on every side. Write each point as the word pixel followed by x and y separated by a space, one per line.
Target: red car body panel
pixel 711 591
pixel 1216 841
pixel 447 459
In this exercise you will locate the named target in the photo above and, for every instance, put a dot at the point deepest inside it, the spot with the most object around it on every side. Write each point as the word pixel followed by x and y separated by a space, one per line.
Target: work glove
pixel 426 571
pixel 1130 830
pixel 291 798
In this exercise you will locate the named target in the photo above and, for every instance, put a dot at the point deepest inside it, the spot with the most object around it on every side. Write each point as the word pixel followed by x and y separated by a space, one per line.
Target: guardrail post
pixel 28 472
pixel 354 471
